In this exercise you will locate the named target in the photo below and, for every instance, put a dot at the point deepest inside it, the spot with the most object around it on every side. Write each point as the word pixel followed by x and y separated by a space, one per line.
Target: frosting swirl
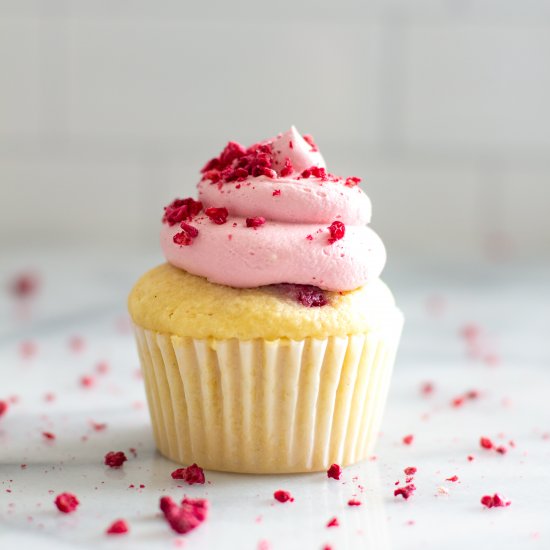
pixel 271 214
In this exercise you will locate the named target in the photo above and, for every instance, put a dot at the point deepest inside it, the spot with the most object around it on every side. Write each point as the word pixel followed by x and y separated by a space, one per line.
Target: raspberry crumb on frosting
pixel 118 527
pixel 66 502
pixel 283 496
pixel 255 222
pixel 335 471
pixel 337 231
pixel 276 193
pixel 287 169
pixel 217 215
pixel 186 236
pixel 352 181
pixel 193 474
pixel 309 140
pixel 180 210
pixel 115 459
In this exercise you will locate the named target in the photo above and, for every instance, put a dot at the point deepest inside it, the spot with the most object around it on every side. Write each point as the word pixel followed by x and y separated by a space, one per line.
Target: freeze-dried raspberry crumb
pixel 255 222
pixel 337 231
pixel 410 470
pixel 87 381
pixel 66 502
pixel 217 215
pixel 486 443
pixel 276 193
pixel 185 517
pixel 115 459
pixel 309 140
pixel 470 458
pixel 501 449
pixel 180 210
pixel 287 169
pixel 495 501
pixel 354 502
pixel 309 237
pixel 193 474
pixel 24 285
pixel 118 527
pixel 457 401
pixel 3 407
pixel 318 172
pixel 186 236
pixel 352 181
pixel 333 522
pixel 408 439
pixel 98 426
pixel 406 491
pixel 335 471
pixel 306 173
pixel 452 478
pixel 427 388
pixel 49 436
pixel 283 496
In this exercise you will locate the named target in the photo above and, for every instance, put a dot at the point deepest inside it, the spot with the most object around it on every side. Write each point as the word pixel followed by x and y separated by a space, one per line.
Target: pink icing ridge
pixel 293 245
pixel 299 201
pixel 277 252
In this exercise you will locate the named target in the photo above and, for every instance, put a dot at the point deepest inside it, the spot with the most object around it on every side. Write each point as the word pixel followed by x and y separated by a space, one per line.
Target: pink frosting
pixel 294 244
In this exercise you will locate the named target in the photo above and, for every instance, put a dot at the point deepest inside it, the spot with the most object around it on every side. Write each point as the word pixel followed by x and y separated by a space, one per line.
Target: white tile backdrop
pixel 108 109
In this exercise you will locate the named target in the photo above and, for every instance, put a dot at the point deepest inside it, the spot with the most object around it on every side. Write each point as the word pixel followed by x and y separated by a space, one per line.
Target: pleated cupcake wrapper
pixel 267 406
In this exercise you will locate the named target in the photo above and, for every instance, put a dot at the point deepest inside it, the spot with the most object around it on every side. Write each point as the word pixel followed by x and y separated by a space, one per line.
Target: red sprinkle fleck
pixel 48 436
pixel 354 502
pixel 333 522
pixel 193 474
pixel 408 439
pixel 118 527
pixel 180 210
pixel 3 407
pixel 406 491
pixel 276 193
pixel 486 443
pixel 217 215
pixel 255 222
pixel 352 181
pixel 115 459
pixel 283 496
pixel 495 501
pixel 66 502
pixel 452 478
pixel 337 231
pixel 335 471
pixel 186 517
pixel 410 470
pixel 287 169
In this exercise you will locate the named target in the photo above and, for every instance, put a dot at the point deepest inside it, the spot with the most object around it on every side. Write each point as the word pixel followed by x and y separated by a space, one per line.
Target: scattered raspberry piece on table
pixel 283 496
pixel 118 527
pixel 115 459
pixel 66 502
pixel 193 474
pixel 335 471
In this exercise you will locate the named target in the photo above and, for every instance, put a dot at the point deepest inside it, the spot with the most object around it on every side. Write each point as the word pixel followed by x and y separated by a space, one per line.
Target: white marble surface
pixel 79 298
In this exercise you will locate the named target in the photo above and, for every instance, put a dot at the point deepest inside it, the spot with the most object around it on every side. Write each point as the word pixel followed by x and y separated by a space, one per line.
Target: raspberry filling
pixel 66 502
pixel 185 517
pixel 115 459
pixel 306 295
pixel 192 475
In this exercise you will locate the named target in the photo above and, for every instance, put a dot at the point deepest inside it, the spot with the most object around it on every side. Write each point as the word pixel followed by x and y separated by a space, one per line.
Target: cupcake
pixel 267 340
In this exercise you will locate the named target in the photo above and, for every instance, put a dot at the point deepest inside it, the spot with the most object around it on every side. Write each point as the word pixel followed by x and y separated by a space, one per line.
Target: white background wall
pixel 108 109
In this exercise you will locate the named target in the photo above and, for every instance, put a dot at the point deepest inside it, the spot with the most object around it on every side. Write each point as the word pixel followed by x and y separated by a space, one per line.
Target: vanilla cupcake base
pixel 268 406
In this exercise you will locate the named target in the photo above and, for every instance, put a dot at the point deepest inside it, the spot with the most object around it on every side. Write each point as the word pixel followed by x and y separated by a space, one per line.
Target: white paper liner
pixel 268 406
